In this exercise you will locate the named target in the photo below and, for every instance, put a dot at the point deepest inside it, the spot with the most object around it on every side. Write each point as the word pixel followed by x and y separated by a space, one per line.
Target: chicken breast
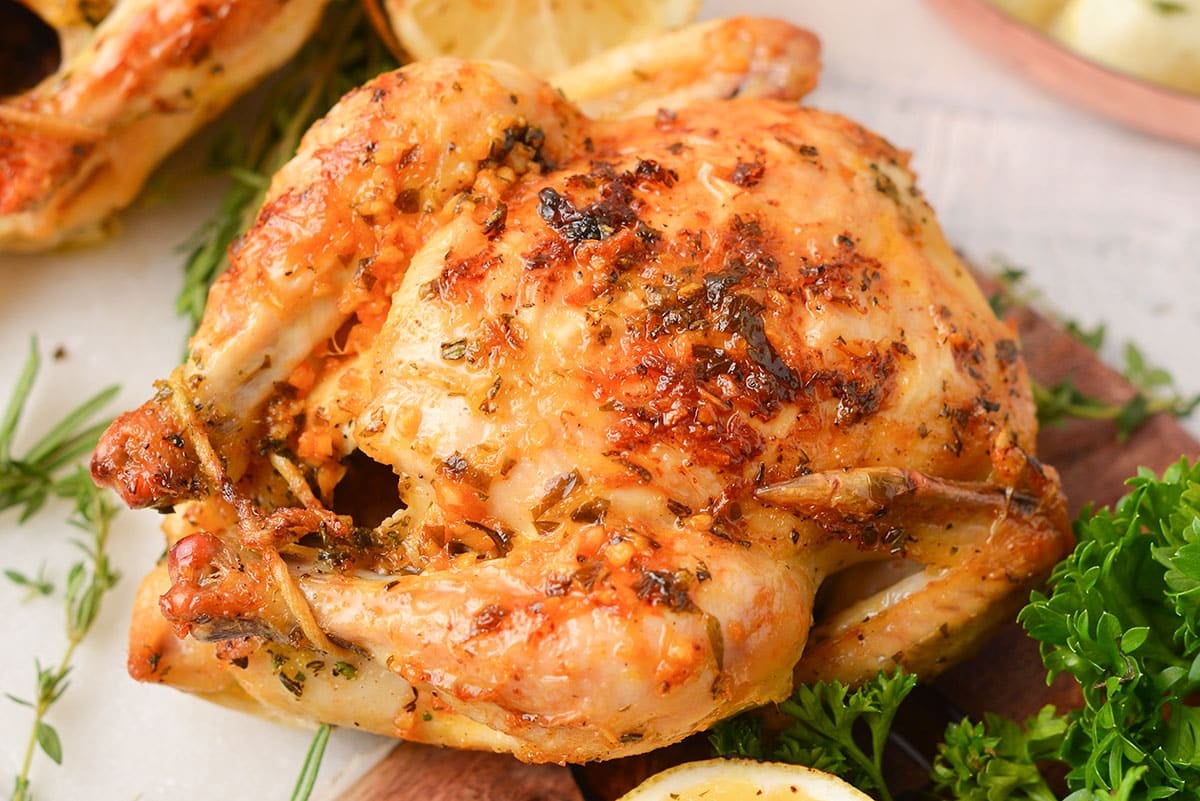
pixel 515 429
pixel 136 78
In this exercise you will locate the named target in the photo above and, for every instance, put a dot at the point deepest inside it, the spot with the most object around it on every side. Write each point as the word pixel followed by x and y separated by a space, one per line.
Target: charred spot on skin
pixel 488 619
pixel 986 405
pixel 460 275
pixel 744 316
pixel 408 201
pixel 591 572
pixel 1007 352
pixel 644 476
pixel 748 173
pixel 595 222
pixel 651 171
pixel 806 151
pixel 522 140
pixel 678 508
pixel 664 588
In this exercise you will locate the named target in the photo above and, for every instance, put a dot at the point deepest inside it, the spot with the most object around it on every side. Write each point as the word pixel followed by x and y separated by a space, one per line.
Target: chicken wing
pixel 515 429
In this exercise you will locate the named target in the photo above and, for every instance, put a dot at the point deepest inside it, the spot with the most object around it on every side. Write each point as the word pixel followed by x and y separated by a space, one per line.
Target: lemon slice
pixel 544 36
pixel 738 779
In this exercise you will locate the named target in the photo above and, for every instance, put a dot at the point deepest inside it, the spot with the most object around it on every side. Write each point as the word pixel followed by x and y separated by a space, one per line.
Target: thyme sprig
pixel 50 468
pixel 46 469
pixel 88 580
pixel 1155 390
pixel 343 53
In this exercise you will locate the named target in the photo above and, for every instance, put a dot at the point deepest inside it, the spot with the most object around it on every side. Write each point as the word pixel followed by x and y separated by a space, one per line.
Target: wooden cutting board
pixel 1005 677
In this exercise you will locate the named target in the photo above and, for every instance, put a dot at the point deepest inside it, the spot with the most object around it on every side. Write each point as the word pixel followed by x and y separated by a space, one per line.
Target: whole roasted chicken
pixel 518 429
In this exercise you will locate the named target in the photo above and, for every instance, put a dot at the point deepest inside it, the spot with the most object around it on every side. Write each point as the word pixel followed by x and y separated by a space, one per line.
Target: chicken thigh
pixel 515 429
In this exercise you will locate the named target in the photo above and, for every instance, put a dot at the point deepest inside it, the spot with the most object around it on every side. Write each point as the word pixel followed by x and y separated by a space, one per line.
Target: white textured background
pixel 1106 221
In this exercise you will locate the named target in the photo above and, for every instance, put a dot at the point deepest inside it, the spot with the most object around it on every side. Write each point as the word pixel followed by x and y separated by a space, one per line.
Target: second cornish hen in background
pixel 546 430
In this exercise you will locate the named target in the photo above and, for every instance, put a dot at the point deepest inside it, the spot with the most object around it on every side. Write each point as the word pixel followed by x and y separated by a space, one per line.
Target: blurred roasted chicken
pixel 134 79
pixel 519 429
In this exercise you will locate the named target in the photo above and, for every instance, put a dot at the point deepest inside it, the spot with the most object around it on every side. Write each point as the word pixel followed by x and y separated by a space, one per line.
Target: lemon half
pixel 743 780
pixel 544 36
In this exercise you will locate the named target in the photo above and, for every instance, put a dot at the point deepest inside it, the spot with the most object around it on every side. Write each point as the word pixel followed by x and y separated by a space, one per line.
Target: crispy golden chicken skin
pixel 516 429
pixel 137 77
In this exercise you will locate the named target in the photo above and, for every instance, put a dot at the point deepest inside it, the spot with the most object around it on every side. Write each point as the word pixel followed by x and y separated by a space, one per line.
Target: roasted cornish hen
pixel 134 79
pixel 515 429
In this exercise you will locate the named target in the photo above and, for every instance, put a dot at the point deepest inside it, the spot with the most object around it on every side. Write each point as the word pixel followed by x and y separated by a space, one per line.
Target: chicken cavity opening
pixel 858 582
pixel 368 492
pixel 30 49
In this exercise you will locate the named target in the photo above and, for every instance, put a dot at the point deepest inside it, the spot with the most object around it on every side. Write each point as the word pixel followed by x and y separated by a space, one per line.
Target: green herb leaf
pixel 997 760
pixel 47 739
pixel 1123 618
pixel 35 586
pixel 739 736
pixel 826 720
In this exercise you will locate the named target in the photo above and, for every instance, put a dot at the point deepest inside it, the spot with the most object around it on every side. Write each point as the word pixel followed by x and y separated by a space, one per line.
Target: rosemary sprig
pixel 87 582
pixel 312 764
pixel 344 52
pixel 47 468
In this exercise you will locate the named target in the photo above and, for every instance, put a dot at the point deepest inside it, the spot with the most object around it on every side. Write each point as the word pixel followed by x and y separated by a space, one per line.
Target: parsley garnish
pixel 832 728
pixel 1123 618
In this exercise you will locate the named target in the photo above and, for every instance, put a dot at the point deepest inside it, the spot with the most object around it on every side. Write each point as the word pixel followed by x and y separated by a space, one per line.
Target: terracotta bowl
pixel 1139 104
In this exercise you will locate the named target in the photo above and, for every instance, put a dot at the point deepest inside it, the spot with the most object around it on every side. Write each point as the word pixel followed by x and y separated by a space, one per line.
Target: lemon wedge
pixel 544 36
pixel 743 780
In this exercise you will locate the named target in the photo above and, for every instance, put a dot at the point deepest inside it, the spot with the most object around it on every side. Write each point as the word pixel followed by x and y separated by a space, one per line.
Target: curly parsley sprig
pixel 831 728
pixel 1123 619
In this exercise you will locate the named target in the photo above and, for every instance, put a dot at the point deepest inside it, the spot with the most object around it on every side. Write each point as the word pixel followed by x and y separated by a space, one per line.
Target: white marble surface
pixel 1106 221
